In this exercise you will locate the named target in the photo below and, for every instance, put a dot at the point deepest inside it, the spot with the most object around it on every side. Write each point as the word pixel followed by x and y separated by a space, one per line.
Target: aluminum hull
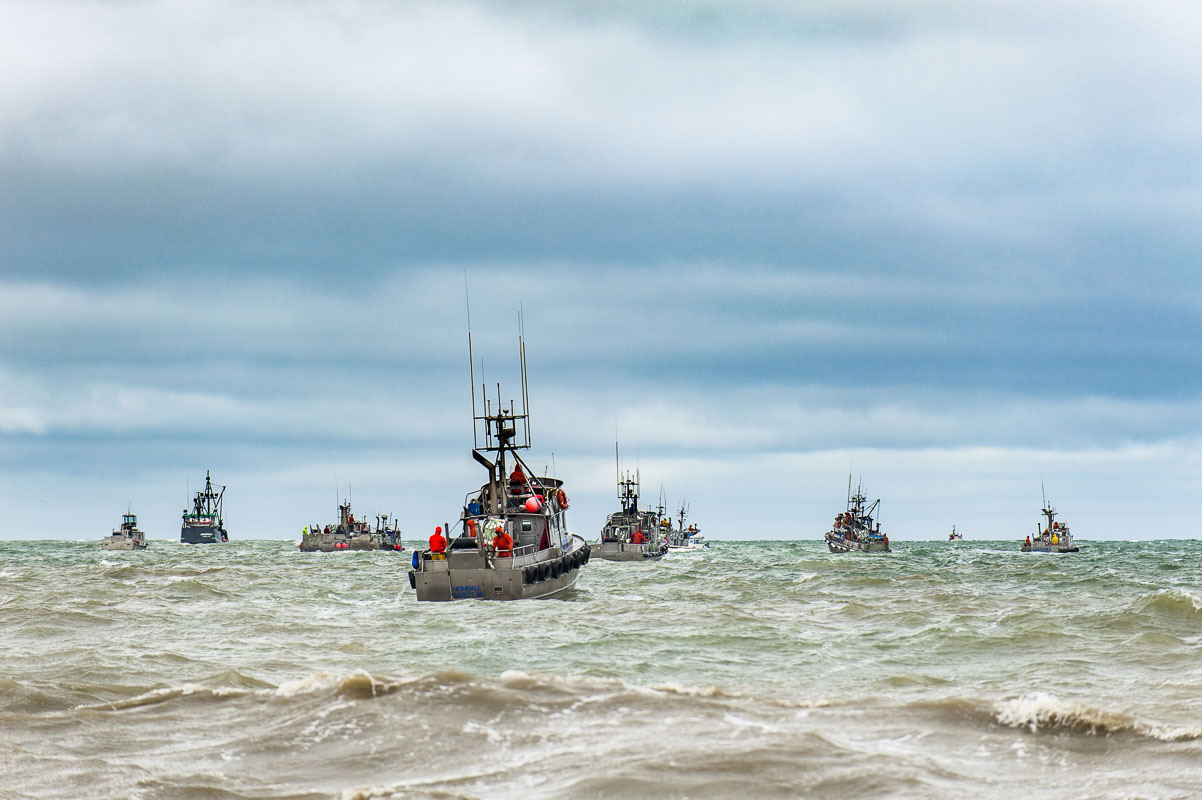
pixel 625 551
pixel 338 543
pixel 118 542
pixel 1050 548
pixel 474 575
pixel 845 544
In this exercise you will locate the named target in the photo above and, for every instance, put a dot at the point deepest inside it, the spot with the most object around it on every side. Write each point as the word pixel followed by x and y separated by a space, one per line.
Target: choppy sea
pixel 753 669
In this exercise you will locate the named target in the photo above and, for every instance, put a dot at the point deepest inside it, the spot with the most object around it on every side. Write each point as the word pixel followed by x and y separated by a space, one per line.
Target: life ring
pixel 563 499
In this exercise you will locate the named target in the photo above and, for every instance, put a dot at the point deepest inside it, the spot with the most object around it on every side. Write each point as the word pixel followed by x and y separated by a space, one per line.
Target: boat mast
pixel 499 432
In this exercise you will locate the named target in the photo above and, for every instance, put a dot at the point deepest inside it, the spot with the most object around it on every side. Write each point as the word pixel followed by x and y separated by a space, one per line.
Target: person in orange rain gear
pixel 438 543
pixel 1028 541
pixel 503 544
pixel 638 538
pixel 471 528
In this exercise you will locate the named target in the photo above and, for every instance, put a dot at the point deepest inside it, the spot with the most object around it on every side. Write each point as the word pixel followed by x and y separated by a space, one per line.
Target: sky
pixel 953 250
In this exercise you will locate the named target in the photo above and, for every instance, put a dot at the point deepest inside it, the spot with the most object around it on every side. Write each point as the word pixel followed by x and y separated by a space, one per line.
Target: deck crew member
pixel 638 538
pixel 438 543
pixel 517 479
pixel 503 544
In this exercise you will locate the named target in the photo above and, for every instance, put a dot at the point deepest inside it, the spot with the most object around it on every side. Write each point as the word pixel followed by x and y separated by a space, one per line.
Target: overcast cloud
pixel 954 248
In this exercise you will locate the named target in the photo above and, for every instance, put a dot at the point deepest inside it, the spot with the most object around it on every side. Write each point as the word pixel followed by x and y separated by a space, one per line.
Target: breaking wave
pixel 1046 713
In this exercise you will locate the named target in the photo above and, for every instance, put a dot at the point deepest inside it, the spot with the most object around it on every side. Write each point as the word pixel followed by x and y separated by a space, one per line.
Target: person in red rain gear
pixel 503 544
pixel 517 479
pixel 438 543
pixel 638 538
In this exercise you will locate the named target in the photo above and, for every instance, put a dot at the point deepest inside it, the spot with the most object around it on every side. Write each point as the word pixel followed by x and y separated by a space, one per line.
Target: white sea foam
pixel 1043 711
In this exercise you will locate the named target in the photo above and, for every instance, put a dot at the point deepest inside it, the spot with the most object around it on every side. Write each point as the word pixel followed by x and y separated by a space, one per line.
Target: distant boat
pixel 1053 538
pixel 854 528
pixel 127 537
pixel 630 534
pixel 685 538
pixel 204 524
pixel 351 534
pixel 954 536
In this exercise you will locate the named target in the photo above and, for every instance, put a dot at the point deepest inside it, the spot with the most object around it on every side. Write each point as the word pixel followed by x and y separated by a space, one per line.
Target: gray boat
pixel 630 534
pixel 351 534
pixel 855 528
pixel 512 541
pixel 205 524
pixel 127 537
pixel 1054 537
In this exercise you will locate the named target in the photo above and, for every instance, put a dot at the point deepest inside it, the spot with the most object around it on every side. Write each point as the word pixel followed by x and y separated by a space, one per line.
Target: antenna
pixel 471 372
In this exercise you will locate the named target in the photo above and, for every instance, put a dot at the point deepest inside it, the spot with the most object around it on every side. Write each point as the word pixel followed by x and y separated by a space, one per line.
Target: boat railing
pixel 524 550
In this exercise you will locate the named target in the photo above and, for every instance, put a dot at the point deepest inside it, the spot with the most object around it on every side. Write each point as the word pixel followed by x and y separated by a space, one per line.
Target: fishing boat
pixel 955 536
pixel 205 523
pixel 511 541
pixel 1054 537
pixel 351 534
pixel 685 538
pixel 855 528
pixel 630 534
pixel 127 537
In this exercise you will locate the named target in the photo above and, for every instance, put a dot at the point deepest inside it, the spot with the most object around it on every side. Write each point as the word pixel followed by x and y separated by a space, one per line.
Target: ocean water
pixel 753 669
